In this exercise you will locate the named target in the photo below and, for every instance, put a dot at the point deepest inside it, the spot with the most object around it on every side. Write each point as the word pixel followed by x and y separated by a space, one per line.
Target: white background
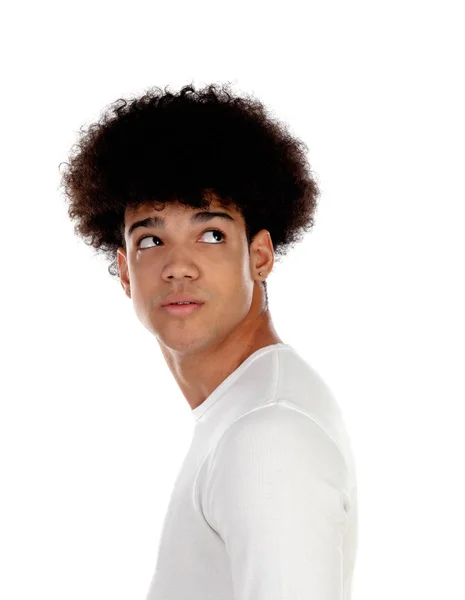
pixel 93 426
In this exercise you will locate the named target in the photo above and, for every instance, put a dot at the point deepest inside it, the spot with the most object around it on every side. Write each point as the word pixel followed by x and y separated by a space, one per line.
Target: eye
pixel 154 237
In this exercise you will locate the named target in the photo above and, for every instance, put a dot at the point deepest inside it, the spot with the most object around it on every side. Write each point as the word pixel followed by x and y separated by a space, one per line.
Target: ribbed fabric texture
pixel 264 506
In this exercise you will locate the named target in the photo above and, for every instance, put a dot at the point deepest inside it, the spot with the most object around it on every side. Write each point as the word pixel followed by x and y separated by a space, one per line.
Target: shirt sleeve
pixel 277 496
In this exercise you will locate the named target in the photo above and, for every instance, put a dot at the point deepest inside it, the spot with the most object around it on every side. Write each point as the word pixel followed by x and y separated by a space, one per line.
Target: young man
pixel 265 505
pixel 203 343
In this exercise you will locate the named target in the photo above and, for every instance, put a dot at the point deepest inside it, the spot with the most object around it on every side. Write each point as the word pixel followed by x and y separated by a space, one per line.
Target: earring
pixel 260 273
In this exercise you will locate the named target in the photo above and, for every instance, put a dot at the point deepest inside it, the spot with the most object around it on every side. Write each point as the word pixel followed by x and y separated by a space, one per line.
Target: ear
pixel 121 257
pixel 261 253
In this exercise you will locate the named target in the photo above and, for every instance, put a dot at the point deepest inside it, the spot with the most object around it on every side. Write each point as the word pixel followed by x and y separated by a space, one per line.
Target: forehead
pixel 176 207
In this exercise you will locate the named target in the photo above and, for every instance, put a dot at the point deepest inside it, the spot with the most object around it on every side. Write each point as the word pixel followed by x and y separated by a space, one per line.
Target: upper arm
pixel 277 496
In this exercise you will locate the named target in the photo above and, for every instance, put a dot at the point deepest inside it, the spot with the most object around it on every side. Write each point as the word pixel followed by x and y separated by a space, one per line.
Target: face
pixel 209 260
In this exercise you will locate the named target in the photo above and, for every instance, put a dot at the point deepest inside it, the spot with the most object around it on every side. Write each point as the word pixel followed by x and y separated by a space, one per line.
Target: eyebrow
pixel 158 222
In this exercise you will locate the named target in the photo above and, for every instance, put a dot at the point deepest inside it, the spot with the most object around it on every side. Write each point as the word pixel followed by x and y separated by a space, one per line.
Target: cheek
pixel 240 291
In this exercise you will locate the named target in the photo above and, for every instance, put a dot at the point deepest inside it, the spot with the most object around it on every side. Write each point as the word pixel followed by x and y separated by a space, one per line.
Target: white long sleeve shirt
pixel 264 506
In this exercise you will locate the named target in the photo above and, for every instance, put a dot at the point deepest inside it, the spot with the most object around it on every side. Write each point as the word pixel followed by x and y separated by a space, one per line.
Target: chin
pixel 182 342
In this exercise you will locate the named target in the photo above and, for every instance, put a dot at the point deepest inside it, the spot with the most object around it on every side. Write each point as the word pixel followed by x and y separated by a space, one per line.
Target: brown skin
pixel 205 347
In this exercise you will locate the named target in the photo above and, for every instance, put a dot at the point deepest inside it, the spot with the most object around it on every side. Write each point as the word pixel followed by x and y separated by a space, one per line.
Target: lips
pixel 182 309
pixel 182 297
pixel 180 303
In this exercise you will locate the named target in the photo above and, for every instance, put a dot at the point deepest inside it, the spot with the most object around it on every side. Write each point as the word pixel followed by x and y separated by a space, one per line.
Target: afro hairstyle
pixel 164 147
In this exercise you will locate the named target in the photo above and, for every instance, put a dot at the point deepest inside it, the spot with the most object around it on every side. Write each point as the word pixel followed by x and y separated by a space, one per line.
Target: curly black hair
pixel 164 147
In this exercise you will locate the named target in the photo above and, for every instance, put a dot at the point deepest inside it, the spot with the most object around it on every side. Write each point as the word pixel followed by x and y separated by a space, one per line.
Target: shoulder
pixel 278 435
